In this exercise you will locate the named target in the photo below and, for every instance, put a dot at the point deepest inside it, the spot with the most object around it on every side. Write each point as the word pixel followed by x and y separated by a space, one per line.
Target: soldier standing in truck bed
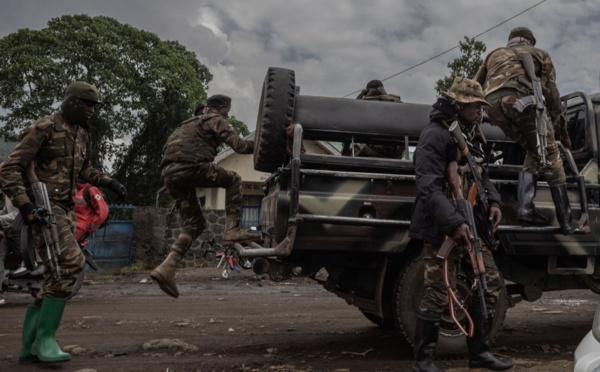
pixel 187 164
pixel 376 92
pixel 435 216
pixel 505 81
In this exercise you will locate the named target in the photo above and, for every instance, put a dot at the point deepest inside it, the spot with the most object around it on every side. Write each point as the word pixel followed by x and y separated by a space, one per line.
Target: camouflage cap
pixel 84 91
pixel 218 100
pixel 523 32
pixel 465 90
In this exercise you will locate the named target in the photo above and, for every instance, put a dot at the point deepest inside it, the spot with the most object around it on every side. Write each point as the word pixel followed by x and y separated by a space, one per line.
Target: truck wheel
pixel 275 113
pixel 408 289
pixel 383 323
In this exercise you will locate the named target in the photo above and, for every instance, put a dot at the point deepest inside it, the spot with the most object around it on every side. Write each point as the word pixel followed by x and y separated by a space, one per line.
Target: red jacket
pixel 89 218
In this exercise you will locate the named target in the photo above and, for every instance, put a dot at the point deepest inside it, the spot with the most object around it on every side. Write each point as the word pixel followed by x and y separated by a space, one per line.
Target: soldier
pixel 375 92
pixel 199 110
pixel 58 148
pixel 505 81
pixel 187 164
pixel 435 216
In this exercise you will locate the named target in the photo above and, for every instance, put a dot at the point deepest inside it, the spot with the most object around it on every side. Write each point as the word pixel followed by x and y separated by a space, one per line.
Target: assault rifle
pixel 48 226
pixel 465 208
pixel 537 100
pixel 473 247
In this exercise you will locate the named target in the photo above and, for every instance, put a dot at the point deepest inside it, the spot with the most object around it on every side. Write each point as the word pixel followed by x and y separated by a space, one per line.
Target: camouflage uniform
pixel 187 164
pixel 57 147
pixel 435 216
pixel 60 154
pixel 505 81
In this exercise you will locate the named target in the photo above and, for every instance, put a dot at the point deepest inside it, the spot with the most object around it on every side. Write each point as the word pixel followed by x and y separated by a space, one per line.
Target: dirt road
pixel 125 323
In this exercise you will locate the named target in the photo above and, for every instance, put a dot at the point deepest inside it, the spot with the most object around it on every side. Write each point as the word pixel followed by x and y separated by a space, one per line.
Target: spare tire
pixel 275 113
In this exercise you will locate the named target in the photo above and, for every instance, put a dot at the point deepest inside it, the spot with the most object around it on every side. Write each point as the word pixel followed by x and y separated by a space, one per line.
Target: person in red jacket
pixel 90 208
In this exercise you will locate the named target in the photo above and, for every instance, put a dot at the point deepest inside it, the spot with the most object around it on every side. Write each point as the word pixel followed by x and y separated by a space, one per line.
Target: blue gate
pixel 112 244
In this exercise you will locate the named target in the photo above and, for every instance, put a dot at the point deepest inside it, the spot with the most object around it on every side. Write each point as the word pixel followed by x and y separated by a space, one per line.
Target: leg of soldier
pixel 521 128
pixel 479 346
pixel 211 175
pixel 555 176
pixel 56 288
pixel 433 302
pixel 193 221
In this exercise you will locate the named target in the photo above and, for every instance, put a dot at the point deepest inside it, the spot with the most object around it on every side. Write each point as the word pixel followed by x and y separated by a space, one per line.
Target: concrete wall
pixel 155 230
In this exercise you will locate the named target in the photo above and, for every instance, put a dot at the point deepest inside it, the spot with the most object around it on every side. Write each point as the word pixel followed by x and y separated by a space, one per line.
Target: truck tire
pixel 383 323
pixel 275 113
pixel 407 292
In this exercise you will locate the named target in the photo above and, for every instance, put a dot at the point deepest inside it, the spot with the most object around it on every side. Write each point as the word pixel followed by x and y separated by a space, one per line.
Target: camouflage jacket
pixel 378 94
pixel 502 69
pixel 197 139
pixel 60 154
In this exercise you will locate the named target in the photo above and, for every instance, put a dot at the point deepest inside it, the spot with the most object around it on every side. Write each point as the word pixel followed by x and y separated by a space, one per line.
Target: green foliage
pixel 148 86
pixel 464 66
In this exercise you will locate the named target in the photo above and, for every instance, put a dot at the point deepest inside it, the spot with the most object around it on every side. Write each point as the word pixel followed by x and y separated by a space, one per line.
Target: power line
pixel 451 49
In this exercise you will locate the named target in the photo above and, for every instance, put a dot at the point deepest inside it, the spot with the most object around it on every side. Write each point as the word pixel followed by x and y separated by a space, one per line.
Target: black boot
pixel 525 194
pixel 426 337
pixel 563 208
pixel 480 347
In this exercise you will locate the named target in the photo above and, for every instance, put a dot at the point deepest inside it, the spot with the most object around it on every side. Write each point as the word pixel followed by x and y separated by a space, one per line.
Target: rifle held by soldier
pixel 473 247
pixel 537 100
pixel 48 220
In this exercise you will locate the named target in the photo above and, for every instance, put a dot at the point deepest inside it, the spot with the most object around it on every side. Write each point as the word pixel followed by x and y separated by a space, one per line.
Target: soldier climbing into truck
pixel 518 98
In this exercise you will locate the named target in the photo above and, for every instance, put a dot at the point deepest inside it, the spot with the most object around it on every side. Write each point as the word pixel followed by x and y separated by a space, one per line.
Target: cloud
pixel 337 46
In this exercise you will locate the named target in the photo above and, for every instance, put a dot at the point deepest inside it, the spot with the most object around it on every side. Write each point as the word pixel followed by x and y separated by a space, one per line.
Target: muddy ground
pixel 249 323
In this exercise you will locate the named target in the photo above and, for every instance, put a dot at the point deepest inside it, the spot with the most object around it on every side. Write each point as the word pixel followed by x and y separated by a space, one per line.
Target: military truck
pixel 347 217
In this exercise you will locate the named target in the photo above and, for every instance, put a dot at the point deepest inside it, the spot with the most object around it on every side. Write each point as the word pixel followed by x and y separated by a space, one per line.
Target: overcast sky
pixel 337 46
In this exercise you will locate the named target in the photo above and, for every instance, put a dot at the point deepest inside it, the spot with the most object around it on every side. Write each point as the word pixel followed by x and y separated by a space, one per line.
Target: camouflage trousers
pixel 71 260
pixel 182 180
pixel 435 297
pixel 520 126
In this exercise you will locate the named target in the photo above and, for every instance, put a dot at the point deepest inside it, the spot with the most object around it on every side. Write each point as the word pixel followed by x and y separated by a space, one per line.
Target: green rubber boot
pixel 45 346
pixel 29 331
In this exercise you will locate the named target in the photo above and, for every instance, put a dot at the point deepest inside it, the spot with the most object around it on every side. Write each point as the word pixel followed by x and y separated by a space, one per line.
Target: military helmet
pixel 523 32
pixel 84 91
pixel 465 90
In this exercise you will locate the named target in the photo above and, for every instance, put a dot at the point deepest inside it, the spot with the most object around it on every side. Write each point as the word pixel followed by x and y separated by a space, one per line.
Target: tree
pixel 148 87
pixel 465 66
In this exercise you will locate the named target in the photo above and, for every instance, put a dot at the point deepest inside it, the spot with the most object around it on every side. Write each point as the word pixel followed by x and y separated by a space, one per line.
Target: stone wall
pixel 155 230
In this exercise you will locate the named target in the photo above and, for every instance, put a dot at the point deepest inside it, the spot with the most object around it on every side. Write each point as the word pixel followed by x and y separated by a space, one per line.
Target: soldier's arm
pixel 227 134
pixel 91 174
pixel 481 74
pixel 551 94
pixel 14 167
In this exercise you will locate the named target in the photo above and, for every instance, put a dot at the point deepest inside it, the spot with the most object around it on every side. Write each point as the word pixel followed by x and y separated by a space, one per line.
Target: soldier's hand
pixel 462 234
pixel 562 134
pixel 118 189
pixel 32 214
pixel 495 217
